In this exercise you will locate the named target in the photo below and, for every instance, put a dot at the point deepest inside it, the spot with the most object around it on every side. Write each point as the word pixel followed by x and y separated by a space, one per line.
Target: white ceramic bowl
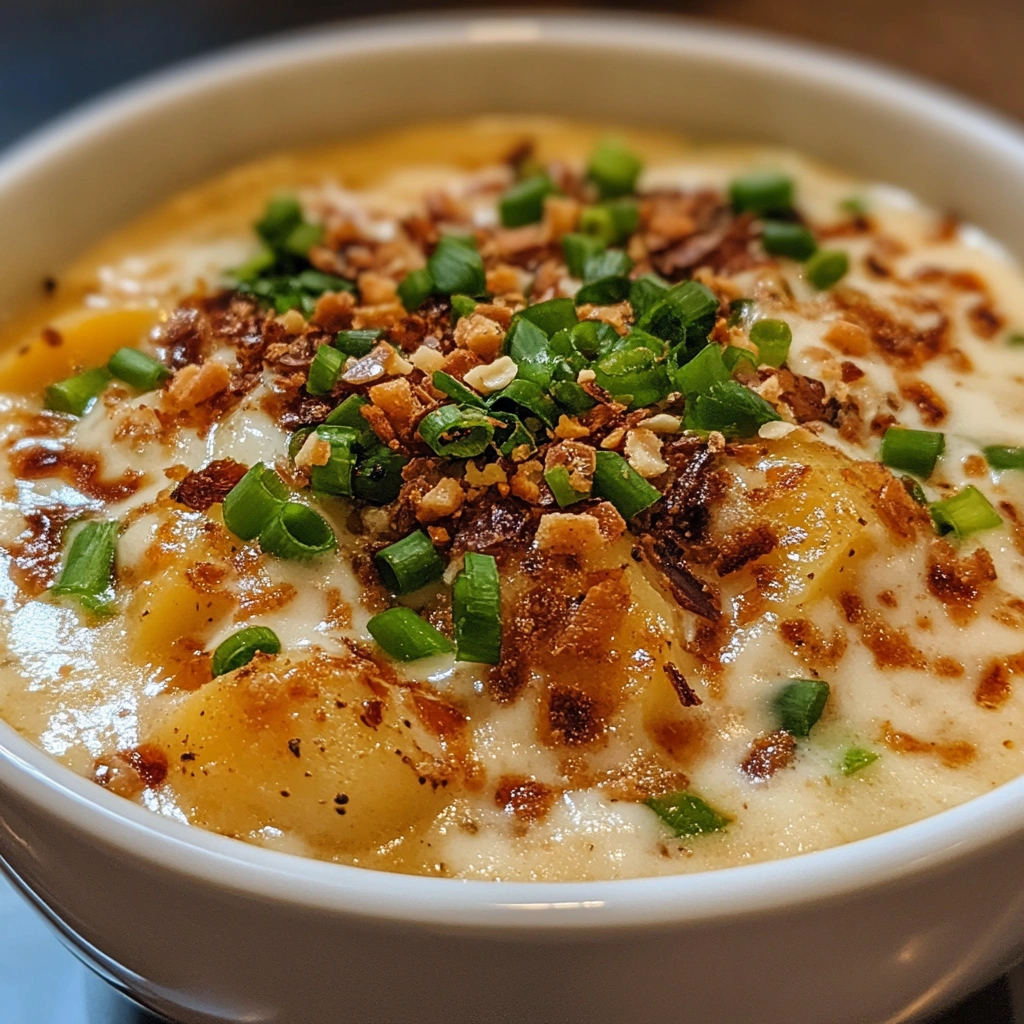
pixel 208 929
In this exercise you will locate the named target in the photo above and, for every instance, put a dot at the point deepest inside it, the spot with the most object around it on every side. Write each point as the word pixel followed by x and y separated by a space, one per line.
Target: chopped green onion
pixel 618 482
pixel 611 222
pixel 614 169
pixel 772 338
pixel 317 282
pixel 297 440
pixel 462 305
pixel 703 370
pixel 282 216
pixel 560 483
pixel 762 192
pixel 913 451
pixel 687 814
pixel 336 476
pixel 571 397
pixel 593 338
pixel 1015 340
pixel 856 206
pixel 138 369
pixel 914 489
pixel 967 512
pixel 297 532
pixel 635 375
pixel 348 414
pixel 254 501
pixel 456 267
pixel 855 759
pixel 455 389
pixel 799 704
pixel 529 396
pixel 731 409
pixel 513 435
pixel 740 311
pixel 734 355
pixel 551 316
pixel 256 266
pixel 783 238
pixel 457 431
pixel 529 347
pixel 1000 456
pixel 523 203
pixel 645 293
pixel 684 316
pixel 378 475
pixel 827 267
pixel 405 636
pixel 577 249
pixel 409 563
pixel 302 238
pixel 356 343
pixel 88 567
pixel 476 610
pixel 241 647
pixel 324 370
pixel 604 291
pixel 610 263
pixel 415 288
pixel 76 394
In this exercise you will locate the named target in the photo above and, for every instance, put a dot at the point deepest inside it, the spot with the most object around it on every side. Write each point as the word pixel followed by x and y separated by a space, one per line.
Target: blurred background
pixel 54 54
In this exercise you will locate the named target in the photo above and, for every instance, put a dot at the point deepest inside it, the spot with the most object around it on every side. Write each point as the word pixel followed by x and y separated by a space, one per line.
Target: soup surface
pixel 504 500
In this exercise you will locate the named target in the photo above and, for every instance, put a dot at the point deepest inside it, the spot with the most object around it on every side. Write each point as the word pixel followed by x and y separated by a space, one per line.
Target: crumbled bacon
pixel 684 691
pixel 958 582
pixel 768 755
pixel 204 487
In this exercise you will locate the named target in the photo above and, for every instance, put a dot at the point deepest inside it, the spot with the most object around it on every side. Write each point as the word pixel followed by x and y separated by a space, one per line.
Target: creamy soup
pixel 512 500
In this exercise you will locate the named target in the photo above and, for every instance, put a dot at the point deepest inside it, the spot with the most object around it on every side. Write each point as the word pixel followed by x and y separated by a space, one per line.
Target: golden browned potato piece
pixel 319 749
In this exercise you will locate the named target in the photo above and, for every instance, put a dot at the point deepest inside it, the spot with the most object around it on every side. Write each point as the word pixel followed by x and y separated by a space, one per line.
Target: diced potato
pixel 317 749
pixel 84 342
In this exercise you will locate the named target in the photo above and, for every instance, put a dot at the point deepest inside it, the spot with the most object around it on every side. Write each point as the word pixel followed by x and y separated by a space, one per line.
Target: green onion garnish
pixel 913 451
pixel 1000 456
pixel 415 288
pixel 378 475
pixel 356 343
pixel 683 316
pixel 783 238
pixel 523 203
pixel 618 482
pixel 241 647
pixel 88 567
pixel 324 370
pixel 254 501
pixel 571 397
pixel 577 249
pixel 76 394
pixel 967 512
pixel 855 759
pixel 772 338
pixel 282 216
pixel 605 278
pixel 297 440
pixel 762 192
pixel 528 345
pixel 614 169
pixel 645 293
pixel 302 238
pixel 462 305
pixel 734 355
pixel 405 636
pixel 731 409
pixel 610 263
pixel 347 414
pixel 634 376
pixel 297 532
pixel 551 316
pixel 687 814
pixel 513 435
pixel 612 222
pixel 476 610
pixel 740 311
pixel 703 370
pixel 336 476
pixel 409 563
pixel 606 291
pixel 799 704
pixel 456 390
pixel 914 489
pixel 1015 340
pixel 827 267
pixel 560 483
pixel 456 267
pixel 457 431
pixel 138 369
pixel 529 396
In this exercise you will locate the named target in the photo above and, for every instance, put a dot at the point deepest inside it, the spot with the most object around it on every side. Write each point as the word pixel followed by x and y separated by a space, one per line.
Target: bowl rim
pixel 917 849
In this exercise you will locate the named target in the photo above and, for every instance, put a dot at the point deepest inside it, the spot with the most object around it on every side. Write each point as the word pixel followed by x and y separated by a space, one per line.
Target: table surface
pixel 57 53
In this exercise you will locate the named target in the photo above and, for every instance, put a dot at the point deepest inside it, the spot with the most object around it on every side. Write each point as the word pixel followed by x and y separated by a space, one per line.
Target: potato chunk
pixel 317 749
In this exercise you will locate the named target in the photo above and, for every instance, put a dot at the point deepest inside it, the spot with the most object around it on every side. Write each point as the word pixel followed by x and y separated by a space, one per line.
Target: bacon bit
pixel 985 321
pixel 333 311
pixel 643 453
pixel 954 754
pixel 569 429
pixel 150 762
pixel 514 243
pixel 588 632
pixel 503 279
pixel 523 798
pixel 192 385
pixel 339 611
pixel 806 397
pixel 689 592
pixel 958 582
pixel 492 526
pixel 975 466
pixel 526 482
pixel 899 342
pixel 850 372
pixel 566 533
pixel 376 289
pixel 686 694
pixel 995 687
pixel 209 485
pixel 899 513
pixel 578 460
pixel 379 423
pixel 572 717
pixel 619 316
pixel 890 647
pixel 811 643
pixel 441 501
pixel 561 214
pixel 439 535
pixel 641 775
pixel 743 546
pixel 769 754
pixel 932 408
pixel 850 339
pixel 396 400
pixel 609 521
pixel 671 222
pixel 459 362
pixel 36 552
pixel 480 335
pixel 948 668
pixel 382 316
